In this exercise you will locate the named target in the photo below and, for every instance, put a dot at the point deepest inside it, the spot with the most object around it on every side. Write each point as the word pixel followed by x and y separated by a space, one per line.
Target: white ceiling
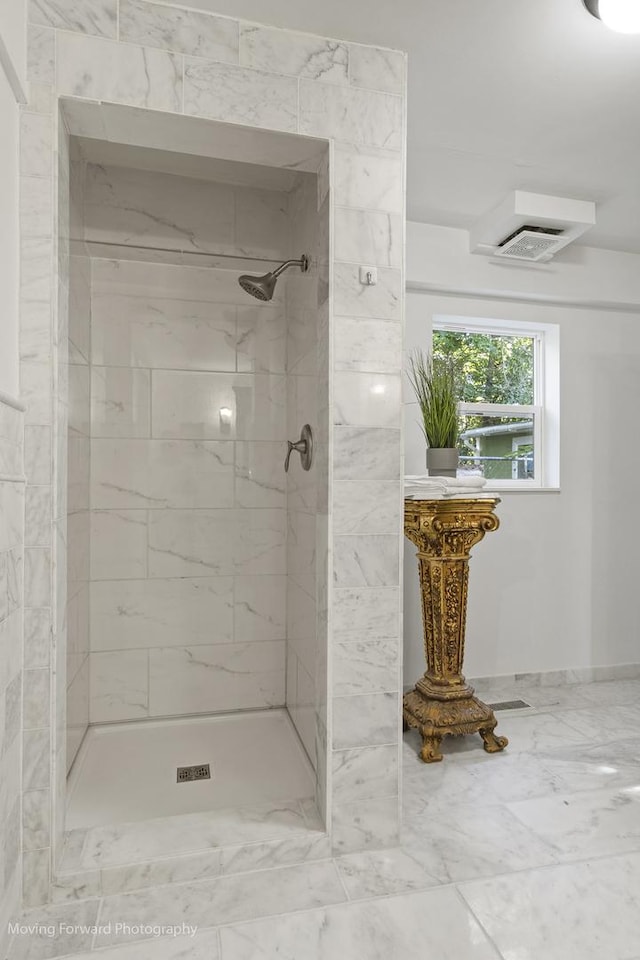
pixel 503 94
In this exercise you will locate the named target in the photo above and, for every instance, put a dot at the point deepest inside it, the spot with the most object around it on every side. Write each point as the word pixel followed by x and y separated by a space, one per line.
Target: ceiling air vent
pixel 531 243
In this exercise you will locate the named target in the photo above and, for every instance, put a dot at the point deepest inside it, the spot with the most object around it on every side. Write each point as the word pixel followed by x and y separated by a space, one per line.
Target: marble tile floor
pixel 530 854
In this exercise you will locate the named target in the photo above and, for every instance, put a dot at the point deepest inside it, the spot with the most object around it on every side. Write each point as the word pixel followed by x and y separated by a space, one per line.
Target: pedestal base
pixel 455 714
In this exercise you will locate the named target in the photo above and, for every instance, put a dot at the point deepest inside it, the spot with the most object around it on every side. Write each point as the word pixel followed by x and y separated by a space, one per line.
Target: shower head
pixel 262 287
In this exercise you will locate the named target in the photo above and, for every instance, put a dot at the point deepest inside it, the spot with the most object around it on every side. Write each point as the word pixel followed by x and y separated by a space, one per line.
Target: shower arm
pixel 302 262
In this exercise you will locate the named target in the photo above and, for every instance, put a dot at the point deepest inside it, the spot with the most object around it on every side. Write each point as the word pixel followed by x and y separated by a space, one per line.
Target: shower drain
pixel 200 771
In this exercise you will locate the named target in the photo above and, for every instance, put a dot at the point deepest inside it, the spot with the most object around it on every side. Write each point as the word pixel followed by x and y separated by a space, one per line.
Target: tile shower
pixel 179 550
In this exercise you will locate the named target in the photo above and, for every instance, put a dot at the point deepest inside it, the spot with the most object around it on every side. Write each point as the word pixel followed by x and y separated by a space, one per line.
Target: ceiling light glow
pixel 622 16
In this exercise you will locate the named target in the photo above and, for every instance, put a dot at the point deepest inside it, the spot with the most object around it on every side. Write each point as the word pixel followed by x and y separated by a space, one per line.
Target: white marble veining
pixel 366 561
pixel 368 178
pixel 215 678
pixel 351 115
pixel 369 666
pixel 194 406
pixel 260 479
pixel 202 945
pixel 150 332
pixel 260 607
pixel 369 452
pixel 379 301
pixel 180 30
pixel 365 720
pixel 122 72
pixel 98 18
pixel 367 400
pixel 161 613
pixel 41 55
pixel 118 544
pixel 119 685
pixel 238 95
pixel 377 68
pixel 293 54
pixel 383 873
pixel 361 613
pixel 423 924
pixel 367 346
pixel 120 402
pixel 370 237
pixel 161 473
pixel 366 507
pixel 364 774
pixel 196 543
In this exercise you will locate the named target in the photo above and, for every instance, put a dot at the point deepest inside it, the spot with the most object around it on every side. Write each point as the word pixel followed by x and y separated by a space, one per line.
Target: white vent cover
pixel 530 245
pixel 531 226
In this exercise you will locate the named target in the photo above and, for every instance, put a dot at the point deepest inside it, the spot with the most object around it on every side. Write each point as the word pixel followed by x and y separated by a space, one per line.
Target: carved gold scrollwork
pixel 444 531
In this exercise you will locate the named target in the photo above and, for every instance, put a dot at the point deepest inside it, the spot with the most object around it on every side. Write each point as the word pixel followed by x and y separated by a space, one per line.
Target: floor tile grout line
pixel 486 933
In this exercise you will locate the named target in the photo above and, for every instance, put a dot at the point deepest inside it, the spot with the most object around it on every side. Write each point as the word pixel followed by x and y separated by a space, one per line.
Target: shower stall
pixel 196 609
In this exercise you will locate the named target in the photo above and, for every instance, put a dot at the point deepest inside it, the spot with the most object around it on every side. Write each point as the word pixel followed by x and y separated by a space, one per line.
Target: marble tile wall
pixel 14 669
pixel 188 527
pixel 78 415
pixel 172 59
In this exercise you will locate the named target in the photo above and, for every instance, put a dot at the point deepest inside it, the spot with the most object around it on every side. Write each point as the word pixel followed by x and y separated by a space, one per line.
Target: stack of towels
pixel 436 488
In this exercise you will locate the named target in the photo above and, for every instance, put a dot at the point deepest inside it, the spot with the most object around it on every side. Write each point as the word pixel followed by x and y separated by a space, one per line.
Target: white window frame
pixel 546 392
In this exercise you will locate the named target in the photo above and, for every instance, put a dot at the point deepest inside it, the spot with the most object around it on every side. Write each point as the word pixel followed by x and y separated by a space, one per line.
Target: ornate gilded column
pixel 442 702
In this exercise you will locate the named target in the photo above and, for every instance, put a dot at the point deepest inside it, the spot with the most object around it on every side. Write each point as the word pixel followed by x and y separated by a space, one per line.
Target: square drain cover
pixel 510 705
pixel 200 771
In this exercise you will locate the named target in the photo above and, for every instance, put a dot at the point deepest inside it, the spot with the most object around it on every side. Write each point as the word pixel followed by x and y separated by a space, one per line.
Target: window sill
pixel 499 491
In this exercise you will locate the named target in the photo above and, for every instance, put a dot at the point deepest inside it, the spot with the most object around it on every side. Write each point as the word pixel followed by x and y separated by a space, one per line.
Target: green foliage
pixel 434 384
pixel 488 367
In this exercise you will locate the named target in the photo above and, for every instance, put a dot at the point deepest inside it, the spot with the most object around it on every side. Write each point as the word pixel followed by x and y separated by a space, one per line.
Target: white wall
pixel 12 84
pixel 554 588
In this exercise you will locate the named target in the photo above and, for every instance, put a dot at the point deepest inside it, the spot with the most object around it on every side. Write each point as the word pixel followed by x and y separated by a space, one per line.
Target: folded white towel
pixel 475 481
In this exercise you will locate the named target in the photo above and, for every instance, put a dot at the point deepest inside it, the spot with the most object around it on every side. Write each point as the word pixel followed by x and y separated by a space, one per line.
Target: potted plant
pixel 434 384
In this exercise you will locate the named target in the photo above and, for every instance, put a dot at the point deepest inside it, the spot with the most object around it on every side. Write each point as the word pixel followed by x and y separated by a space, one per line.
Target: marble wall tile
pixel 237 95
pixel 38 516
pixel 142 331
pixel 351 115
pixel 37 577
pixel 79 392
pixel 118 544
pixel 193 405
pixel 36 870
pixel 162 613
pixel 368 179
pixel 36 266
pixel 41 55
pixel 363 613
pixel 260 607
pixel 119 685
pixel 184 543
pixel 152 873
pixel 120 402
pixel 293 54
pixel 158 209
pixel 36 210
pixel 366 720
pixel 35 389
pixel 377 68
pixel 161 473
pixel 367 400
pixel 36 746
pixel 366 561
pixel 352 298
pixel 36 699
pixel 365 774
pixel 216 678
pixel 366 507
pixel 367 346
pixel 368 236
pixel 365 825
pixel 35 330
pixel 98 18
pixel 101 70
pixel 260 477
pixel 37 638
pixel 261 343
pixel 37 453
pixel 367 666
pixel 262 225
pixel 366 452
pixel 180 30
pixel 260 856
pixel 35 145
pixel 36 817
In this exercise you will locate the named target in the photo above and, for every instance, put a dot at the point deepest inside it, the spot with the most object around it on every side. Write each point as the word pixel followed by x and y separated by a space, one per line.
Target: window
pixel 508 377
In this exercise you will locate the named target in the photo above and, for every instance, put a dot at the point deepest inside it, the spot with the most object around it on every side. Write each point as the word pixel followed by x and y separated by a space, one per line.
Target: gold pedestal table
pixel 442 703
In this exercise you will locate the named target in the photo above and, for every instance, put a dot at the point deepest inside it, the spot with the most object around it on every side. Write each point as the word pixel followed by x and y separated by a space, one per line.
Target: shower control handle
pixel 303 446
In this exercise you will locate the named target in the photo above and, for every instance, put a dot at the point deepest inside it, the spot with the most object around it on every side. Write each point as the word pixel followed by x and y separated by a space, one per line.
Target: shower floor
pixel 126 772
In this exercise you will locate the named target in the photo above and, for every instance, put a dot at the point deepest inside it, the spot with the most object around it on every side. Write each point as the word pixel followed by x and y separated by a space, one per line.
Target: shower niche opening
pixel 196 566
